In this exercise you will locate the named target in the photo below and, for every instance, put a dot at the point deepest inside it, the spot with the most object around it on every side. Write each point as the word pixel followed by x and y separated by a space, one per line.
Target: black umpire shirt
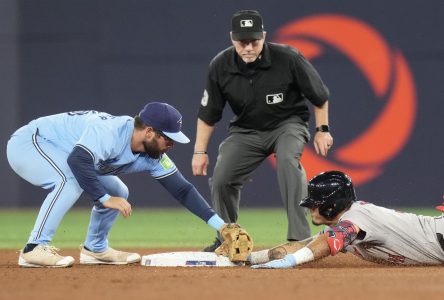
pixel 264 93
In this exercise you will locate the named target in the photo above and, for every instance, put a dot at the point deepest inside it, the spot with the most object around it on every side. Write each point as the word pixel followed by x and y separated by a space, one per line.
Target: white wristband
pixel 303 255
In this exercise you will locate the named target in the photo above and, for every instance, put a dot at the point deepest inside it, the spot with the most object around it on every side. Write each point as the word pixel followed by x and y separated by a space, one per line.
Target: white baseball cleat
pixel 44 256
pixel 109 257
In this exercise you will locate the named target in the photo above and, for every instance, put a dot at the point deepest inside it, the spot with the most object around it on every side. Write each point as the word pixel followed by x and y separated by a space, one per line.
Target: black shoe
pixel 212 247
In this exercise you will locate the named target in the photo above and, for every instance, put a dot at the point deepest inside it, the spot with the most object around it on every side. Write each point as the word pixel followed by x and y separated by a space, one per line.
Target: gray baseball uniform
pixel 395 237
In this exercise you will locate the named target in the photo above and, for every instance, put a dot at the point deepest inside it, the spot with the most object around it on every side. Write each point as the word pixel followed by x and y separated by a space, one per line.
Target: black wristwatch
pixel 323 128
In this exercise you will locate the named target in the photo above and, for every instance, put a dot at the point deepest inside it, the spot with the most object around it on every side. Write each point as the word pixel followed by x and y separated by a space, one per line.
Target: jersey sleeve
pixel 82 166
pixel 340 236
pixel 213 102
pixel 161 168
pixel 359 215
pixel 309 80
pixel 187 195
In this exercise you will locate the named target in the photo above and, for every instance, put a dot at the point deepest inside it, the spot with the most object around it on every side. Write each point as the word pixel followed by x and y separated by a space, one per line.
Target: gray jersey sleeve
pixel 394 237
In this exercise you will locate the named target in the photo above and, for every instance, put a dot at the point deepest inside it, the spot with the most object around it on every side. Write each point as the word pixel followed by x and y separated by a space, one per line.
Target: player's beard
pixel 152 149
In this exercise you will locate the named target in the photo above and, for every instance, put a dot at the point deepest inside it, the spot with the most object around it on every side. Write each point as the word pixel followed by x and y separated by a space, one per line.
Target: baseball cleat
pixel 212 247
pixel 109 257
pixel 44 256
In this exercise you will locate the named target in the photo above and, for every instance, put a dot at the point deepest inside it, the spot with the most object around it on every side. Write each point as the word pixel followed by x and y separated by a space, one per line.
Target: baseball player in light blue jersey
pixel 78 151
pixel 371 232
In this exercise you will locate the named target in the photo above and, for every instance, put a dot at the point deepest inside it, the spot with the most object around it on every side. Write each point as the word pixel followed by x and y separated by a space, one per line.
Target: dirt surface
pixel 340 277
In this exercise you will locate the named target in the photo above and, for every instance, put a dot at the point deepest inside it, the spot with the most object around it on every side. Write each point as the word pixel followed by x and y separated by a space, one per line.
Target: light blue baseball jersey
pixel 38 152
pixel 54 152
pixel 105 137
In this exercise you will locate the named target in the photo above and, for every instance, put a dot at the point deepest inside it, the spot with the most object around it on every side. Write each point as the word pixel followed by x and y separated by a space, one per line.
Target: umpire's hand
pixel 121 204
pixel 323 141
pixel 199 164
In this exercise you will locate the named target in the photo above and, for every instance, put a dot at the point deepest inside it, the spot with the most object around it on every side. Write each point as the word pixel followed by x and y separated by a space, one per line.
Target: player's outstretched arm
pixel 187 195
pixel 316 249
pixel 334 240
pixel 277 252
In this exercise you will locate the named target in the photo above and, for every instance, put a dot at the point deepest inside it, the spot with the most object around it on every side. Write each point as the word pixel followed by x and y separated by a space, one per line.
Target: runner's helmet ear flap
pixel 331 191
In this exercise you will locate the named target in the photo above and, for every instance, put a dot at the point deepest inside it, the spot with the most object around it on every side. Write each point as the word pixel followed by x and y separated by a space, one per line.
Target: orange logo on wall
pixel 388 74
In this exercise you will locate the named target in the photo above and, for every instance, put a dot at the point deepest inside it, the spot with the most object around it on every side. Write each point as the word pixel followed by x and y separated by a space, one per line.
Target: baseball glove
pixel 237 244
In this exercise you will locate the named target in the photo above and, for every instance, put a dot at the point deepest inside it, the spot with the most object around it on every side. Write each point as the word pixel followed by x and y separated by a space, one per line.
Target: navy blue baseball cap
pixel 164 117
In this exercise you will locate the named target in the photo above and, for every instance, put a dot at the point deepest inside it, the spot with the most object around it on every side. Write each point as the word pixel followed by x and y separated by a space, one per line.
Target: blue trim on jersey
pixel 166 175
pixel 56 196
pixel 184 192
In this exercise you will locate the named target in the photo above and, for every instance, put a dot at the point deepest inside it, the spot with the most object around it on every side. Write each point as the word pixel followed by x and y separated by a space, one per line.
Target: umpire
pixel 267 86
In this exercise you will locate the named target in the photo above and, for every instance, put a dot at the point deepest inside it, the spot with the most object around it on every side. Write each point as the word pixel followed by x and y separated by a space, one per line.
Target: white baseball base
pixel 186 259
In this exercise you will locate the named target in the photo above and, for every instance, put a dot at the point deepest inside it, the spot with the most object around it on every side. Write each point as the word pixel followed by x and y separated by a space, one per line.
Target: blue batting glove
pixel 287 262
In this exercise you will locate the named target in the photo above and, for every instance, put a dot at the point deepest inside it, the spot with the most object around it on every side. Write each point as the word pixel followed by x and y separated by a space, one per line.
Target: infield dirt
pixel 340 277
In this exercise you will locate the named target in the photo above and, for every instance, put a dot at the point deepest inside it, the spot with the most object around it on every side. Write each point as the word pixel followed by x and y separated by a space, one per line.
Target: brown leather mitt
pixel 237 244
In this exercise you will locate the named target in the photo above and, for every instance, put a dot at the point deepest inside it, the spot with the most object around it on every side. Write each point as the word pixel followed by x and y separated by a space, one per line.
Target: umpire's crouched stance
pixel 268 87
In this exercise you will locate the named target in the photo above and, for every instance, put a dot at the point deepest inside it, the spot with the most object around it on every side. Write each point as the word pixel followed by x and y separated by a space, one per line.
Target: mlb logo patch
pixel 274 98
pixel 246 23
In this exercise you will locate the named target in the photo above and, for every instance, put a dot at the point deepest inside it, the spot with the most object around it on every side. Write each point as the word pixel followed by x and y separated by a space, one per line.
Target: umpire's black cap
pixel 247 25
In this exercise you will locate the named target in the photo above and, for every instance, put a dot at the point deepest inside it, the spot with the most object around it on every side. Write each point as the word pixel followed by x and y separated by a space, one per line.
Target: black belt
pixel 440 240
